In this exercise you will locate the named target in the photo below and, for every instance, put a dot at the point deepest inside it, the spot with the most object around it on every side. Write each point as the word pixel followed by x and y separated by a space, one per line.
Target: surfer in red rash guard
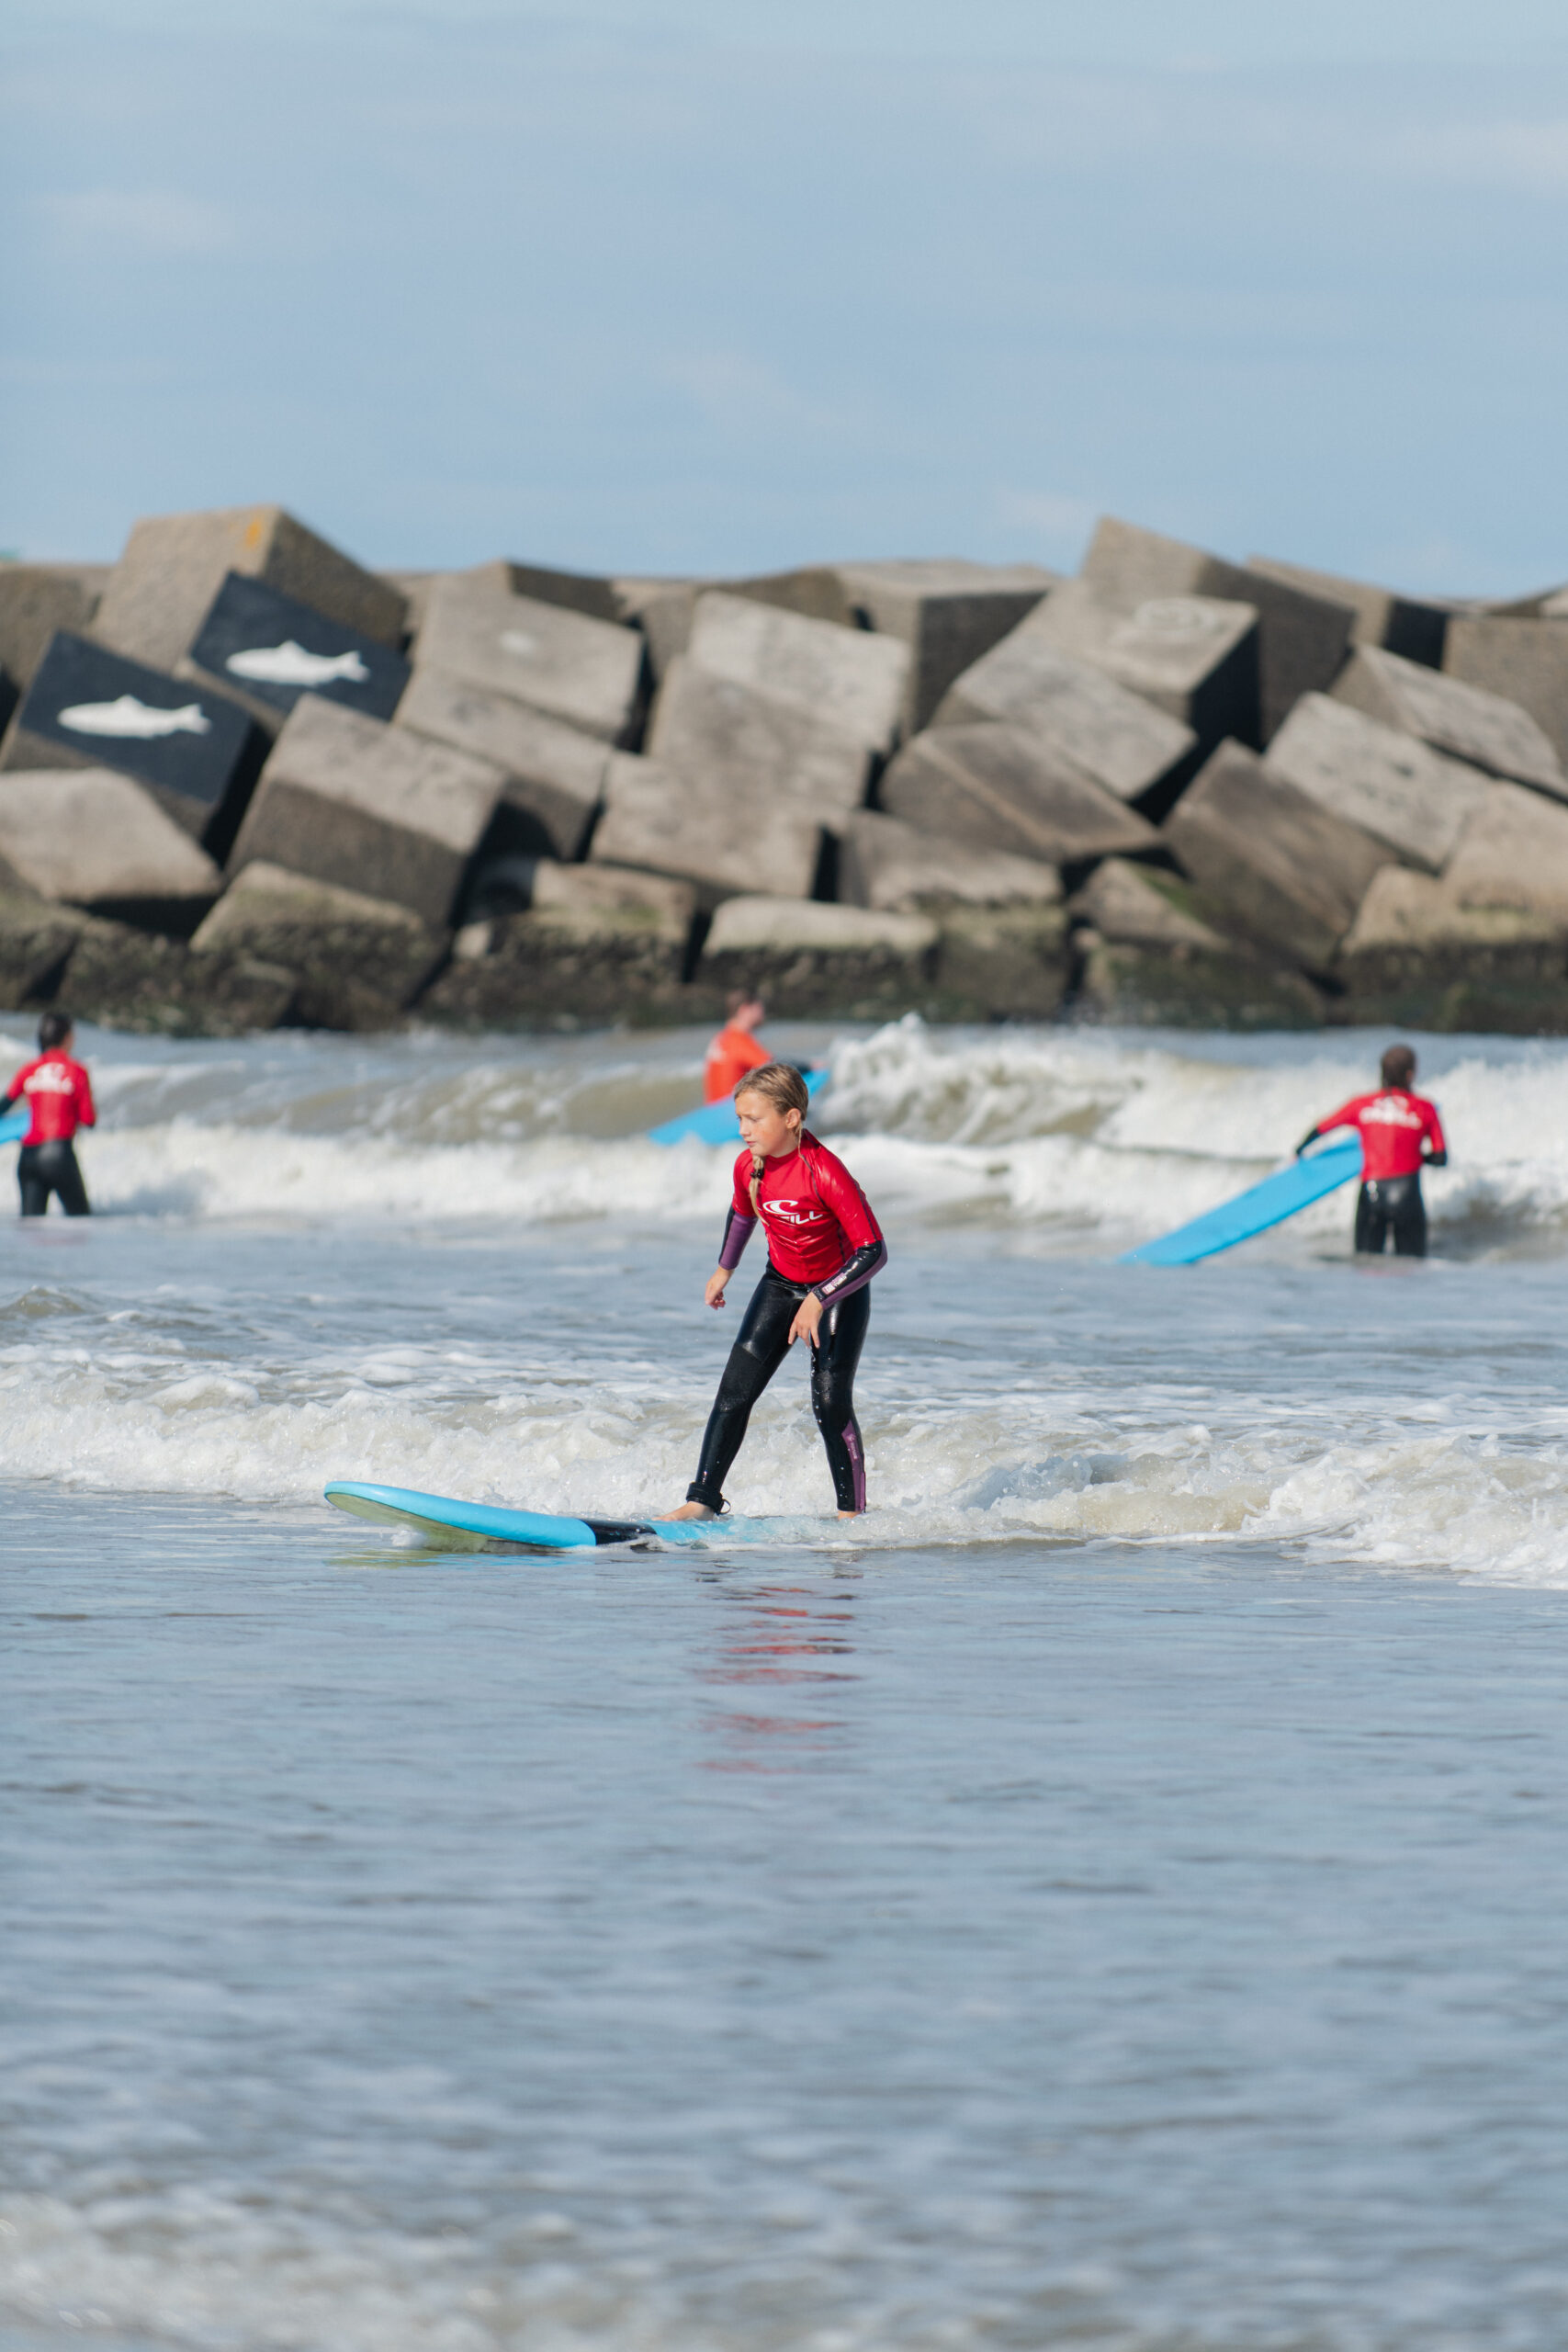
pixel 59 1093
pixel 824 1246
pixel 1400 1134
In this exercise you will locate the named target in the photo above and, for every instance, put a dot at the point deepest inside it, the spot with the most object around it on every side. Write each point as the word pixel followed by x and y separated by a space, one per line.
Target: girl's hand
pixel 714 1294
pixel 807 1316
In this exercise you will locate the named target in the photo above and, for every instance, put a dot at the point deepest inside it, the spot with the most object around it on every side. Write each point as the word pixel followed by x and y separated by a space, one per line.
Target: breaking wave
pixel 1083 1141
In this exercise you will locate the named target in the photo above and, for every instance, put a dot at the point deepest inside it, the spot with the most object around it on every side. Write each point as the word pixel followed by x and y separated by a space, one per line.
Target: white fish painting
pixel 128 715
pixel 290 666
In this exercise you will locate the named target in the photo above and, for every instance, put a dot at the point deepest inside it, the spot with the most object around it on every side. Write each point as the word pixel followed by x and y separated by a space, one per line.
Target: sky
pixel 708 285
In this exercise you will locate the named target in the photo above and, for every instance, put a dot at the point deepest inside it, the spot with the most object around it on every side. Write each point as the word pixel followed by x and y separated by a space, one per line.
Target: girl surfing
pixel 824 1246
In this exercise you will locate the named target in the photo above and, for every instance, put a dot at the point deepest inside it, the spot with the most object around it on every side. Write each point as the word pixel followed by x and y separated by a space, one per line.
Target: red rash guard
pixel 60 1096
pixel 732 1053
pixel 819 1223
pixel 1392 1125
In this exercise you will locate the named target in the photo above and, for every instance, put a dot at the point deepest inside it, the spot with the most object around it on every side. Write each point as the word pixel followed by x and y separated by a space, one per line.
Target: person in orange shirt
pixel 1400 1134
pixel 59 1094
pixel 735 1050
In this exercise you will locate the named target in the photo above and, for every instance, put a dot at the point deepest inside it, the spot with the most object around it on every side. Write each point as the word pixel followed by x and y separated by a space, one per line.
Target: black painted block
pixel 257 642
pixel 196 752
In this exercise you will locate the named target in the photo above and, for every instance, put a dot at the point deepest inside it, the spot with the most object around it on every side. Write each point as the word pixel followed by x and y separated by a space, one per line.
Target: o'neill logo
pixel 130 716
pixel 787 1212
pixel 290 666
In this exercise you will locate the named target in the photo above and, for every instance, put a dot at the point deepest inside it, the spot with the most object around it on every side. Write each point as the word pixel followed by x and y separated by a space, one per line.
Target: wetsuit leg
pixel 31 1182
pixel 762 1347
pixel 840 1341
pixel 1391 1204
pixel 1406 1215
pixel 1372 1221
pixel 54 1169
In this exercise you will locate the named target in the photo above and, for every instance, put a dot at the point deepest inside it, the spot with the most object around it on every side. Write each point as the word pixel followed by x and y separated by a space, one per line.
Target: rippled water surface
pixel 1112 1896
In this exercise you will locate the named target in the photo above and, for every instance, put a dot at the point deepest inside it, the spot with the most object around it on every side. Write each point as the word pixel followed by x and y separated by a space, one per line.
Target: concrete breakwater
pixel 245 781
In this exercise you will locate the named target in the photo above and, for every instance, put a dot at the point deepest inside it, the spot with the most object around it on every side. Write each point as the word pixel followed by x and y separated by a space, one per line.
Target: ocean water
pixel 1111 1896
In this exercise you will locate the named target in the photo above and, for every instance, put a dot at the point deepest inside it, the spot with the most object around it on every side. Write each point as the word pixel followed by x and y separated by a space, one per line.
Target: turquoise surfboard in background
pixel 15 1124
pixel 716 1121
pixel 1253 1211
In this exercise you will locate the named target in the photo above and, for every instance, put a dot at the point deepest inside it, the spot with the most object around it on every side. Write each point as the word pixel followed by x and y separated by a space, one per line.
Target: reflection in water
pixel 778 1634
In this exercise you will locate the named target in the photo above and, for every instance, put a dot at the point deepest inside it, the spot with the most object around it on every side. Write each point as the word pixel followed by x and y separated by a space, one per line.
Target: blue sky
pixel 672 284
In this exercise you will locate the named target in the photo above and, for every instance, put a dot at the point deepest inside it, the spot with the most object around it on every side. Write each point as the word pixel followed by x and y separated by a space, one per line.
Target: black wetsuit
pixel 1391 1204
pixel 45 1168
pixel 757 1354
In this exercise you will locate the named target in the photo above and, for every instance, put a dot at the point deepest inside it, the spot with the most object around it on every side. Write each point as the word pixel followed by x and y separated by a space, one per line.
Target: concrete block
pixel 634 592
pixel 587 593
pixel 999 963
pixel 585 672
pixel 555 774
pixel 849 678
pixel 1272 862
pixel 706 829
pixel 998 788
pixel 267 649
pixel 815 590
pixel 811 959
pixel 1525 661
pixel 884 863
pixel 173 565
pixel 373 808
pixel 596 945
pixel 1405 911
pixel 534 885
pixel 600 596
pixel 35 939
pixel 1417 957
pixel 1143 906
pixel 755 745
pixel 1513 855
pixel 195 752
pixel 1195 657
pixel 1412 626
pixel 947 612
pixel 665 620
pixel 1303 638
pixel 1074 712
pixel 1183 987
pixel 600 890
pixel 413 587
pixel 356 962
pixel 1465 720
pixel 1402 792
pixel 95 838
pixel 1541 603
pixel 36 599
pixel 131 979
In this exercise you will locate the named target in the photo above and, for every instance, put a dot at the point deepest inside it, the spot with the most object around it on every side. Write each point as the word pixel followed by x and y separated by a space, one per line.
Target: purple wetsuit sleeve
pixel 854 1274
pixel 737 1231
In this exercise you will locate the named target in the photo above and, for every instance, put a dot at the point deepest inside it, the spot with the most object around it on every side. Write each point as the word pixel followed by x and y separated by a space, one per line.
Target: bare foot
pixel 693 1510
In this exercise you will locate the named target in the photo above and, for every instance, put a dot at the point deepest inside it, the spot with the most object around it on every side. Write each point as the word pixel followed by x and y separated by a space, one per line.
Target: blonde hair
pixel 781 1084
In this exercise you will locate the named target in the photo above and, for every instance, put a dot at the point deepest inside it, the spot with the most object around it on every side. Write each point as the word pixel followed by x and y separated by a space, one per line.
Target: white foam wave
pixel 139 1415
pixel 192 1169
pixel 1082 1138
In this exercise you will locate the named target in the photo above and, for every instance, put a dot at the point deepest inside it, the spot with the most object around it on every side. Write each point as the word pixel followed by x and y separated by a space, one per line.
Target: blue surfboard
pixel 1253 1211
pixel 448 1525
pixel 716 1121
pixel 15 1124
